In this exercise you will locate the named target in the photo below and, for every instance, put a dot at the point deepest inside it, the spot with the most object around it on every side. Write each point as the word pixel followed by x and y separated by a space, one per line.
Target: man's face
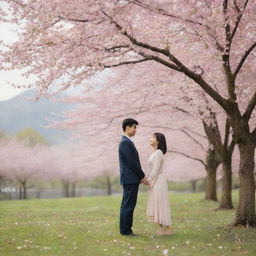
pixel 131 130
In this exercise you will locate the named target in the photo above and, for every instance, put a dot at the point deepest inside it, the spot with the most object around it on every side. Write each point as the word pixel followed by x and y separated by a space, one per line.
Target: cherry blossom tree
pixel 104 128
pixel 218 132
pixel 69 164
pixel 20 163
pixel 72 40
pixel 146 103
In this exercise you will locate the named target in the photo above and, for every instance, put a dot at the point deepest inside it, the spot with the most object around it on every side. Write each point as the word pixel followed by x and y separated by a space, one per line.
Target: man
pixel 131 175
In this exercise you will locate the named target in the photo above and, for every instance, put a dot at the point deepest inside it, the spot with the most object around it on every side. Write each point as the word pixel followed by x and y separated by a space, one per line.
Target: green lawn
pixel 89 226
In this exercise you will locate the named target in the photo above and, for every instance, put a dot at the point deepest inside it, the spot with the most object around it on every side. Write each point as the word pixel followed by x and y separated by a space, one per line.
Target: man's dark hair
pixel 129 122
pixel 161 142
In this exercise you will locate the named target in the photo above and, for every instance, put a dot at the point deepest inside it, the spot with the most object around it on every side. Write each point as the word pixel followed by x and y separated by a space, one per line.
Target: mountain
pixel 20 112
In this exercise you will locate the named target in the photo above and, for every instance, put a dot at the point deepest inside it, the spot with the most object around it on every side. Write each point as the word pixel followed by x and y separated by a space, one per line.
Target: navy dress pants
pixel 130 193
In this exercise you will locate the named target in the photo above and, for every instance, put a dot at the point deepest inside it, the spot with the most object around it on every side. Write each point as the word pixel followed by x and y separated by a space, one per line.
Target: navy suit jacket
pixel 130 168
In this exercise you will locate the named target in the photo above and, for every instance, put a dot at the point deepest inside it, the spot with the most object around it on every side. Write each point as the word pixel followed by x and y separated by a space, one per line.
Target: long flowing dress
pixel 158 210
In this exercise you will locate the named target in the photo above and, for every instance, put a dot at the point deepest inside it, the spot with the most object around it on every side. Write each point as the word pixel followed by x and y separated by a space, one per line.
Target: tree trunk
pixel 65 186
pixel 73 189
pixel 1 179
pixel 193 185
pixel 245 214
pixel 20 192
pixel 109 186
pixel 38 194
pixel 24 188
pixel 226 193
pixel 211 191
pixel 211 168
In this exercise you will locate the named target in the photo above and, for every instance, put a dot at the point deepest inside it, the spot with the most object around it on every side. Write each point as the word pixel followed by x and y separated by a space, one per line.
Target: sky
pixel 8 35
pixel 6 90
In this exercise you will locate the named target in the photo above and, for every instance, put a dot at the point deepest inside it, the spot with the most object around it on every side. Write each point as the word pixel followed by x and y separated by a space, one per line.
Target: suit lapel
pixel 125 138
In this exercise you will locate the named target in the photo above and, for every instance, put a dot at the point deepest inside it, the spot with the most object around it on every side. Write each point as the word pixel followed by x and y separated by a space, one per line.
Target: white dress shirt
pixel 128 137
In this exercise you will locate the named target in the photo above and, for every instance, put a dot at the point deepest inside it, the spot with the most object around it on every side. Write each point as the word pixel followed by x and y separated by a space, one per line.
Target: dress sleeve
pixel 155 167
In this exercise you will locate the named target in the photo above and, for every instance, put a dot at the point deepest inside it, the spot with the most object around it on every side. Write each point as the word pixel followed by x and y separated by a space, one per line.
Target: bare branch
pixel 229 37
pixel 163 12
pixel 227 24
pixel 238 18
pixel 182 110
pixel 160 60
pixel 196 133
pixel 75 20
pixel 194 139
pixel 246 54
pixel 160 127
pixel 236 6
pixel 124 63
pixel 188 156
pixel 248 112
pixel 174 129
pixel 133 112
pixel 116 48
pixel 226 54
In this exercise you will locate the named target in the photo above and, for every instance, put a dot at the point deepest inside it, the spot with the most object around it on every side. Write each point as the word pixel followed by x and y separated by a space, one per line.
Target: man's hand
pixel 144 181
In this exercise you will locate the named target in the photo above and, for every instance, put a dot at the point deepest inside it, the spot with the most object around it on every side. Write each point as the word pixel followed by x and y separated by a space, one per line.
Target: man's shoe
pixel 130 234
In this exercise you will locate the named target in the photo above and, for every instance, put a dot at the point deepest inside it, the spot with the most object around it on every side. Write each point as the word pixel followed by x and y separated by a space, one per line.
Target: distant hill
pixel 19 113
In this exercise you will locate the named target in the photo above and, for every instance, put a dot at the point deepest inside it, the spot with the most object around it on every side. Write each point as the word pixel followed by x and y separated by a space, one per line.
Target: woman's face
pixel 153 141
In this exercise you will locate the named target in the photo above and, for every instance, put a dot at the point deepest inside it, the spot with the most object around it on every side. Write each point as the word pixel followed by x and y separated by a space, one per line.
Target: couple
pixel 131 175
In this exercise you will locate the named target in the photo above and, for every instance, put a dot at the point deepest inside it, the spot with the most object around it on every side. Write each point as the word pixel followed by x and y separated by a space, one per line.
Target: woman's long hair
pixel 161 142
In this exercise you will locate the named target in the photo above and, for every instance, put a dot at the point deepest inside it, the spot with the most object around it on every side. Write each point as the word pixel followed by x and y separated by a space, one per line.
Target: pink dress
pixel 158 210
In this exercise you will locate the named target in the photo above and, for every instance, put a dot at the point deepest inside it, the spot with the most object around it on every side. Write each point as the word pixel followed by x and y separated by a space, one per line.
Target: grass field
pixel 89 226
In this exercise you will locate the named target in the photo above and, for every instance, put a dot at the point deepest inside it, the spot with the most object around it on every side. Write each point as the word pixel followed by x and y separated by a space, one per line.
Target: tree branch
pixel 59 16
pixel 236 6
pixel 132 112
pixel 116 48
pixel 133 39
pixel 227 133
pixel 75 20
pixel 160 60
pixel 246 54
pixel 248 112
pixel 207 88
pixel 182 130
pixel 226 54
pixel 213 135
pixel 195 140
pixel 182 110
pixel 190 157
pixel 178 67
pixel 163 12
pixel 125 63
pixel 238 18
pixel 231 147
pixel 227 24
pixel 196 133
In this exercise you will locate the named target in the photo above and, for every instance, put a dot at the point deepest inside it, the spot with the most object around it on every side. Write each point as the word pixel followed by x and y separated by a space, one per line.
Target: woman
pixel 158 210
